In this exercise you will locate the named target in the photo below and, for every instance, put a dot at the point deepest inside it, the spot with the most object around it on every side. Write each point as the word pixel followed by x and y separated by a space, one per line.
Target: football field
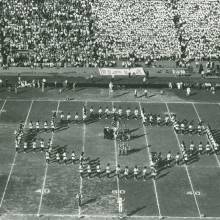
pixel 30 188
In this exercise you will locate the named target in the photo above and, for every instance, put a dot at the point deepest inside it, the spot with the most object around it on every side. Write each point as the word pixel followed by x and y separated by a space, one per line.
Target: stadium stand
pixel 98 33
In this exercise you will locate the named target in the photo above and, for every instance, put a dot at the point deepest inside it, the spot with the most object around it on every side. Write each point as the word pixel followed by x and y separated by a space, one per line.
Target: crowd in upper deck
pixel 96 33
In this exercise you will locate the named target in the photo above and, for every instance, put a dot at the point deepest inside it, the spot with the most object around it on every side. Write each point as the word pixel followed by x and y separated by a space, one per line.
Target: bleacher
pixel 98 33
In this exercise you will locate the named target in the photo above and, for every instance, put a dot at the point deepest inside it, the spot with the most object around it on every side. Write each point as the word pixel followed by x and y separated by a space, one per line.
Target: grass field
pixel 31 189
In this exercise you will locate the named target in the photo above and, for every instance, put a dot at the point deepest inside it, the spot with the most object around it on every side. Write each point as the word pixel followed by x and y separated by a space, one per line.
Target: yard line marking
pixel 14 159
pixel 3 106
pixel 197 113
pixel 84 132
pixel 149 155
pixel 107 216
pixel 83 149
pixel 42 190
pixel 187 171
pixel 126 101
pixel 144 101
pixel 9 177
pixel 200 166
pixel 9 125
pixel 29 100
pixel 25 122
pixel 116 164
pixel 46 169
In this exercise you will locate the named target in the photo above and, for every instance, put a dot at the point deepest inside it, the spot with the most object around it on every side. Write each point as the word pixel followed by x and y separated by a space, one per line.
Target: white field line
pixel 3 106
pixel 116 164
pixel 9 176
pixel 83 149
pixel 46 169
pixel 142 101
pixel 197 113
pixel 107 216
pixel 187 171
pixel 125 101
pixel 14 159
pixel 149 156
pixel 9 125
pixel 200 166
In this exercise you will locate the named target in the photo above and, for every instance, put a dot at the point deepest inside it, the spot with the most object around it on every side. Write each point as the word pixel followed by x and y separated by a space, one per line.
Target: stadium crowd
pixel 100 32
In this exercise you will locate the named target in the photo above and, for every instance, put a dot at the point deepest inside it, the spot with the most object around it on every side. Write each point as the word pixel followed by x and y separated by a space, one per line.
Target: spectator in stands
pixel 93 33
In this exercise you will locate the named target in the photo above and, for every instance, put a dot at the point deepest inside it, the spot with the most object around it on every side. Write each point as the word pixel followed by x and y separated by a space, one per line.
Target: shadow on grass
pixel 162 175
pixel 79 89
pixel 133 130
pixel 94 161
pixel 89 201
pixel 60 149
pixel 193 160
pixel 90 121
pixel 30 136
pixel 119 95
pixel 216 134
pixel 136 136
pixel 133 212
pixel 63 125
pixel 152 95
pixel 135 150
pixel 140 96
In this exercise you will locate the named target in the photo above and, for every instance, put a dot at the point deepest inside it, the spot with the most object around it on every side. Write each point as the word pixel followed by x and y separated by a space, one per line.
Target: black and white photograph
pixel 110 109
